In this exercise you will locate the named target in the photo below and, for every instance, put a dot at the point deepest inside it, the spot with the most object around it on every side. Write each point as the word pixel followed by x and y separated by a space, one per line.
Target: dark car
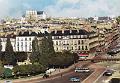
pixel 108 73
pixel 74 79
pixel 45 76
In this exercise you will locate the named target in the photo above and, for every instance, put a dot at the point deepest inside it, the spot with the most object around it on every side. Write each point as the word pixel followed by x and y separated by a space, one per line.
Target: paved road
pixel 65 78
pixel 102 79
pixel 95 75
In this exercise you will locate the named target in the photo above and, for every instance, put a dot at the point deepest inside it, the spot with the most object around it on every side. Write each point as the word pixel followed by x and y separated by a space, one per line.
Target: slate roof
pixel 103 18
pixel 40 12
pixel 27 33
pixel 68 32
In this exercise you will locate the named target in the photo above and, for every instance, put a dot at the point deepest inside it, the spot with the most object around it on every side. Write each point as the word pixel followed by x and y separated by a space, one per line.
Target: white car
pixel 8 81
pixel 49 71
pixel 82 70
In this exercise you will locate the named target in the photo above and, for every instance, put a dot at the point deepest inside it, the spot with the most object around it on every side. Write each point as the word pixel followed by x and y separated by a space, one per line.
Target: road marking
pixel 99 76
pixel 89 76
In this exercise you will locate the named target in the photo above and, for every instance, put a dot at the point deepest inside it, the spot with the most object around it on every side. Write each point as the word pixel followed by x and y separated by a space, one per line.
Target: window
pixel 82 42
pixel 30 39
pixel 72 48
pixel 57 48
pixel 75 47
pixel 59 42
pixel 21 39
pixel 56 42
pixel 75 43
pixel 18 44
pixel 18 48
pixel 21 44
pixel 86 48
pixel 17 39
pixel 30 47
pixel 25 39
pixel 82 47
pixel 78 47
pixel 78 42
pixel 67 48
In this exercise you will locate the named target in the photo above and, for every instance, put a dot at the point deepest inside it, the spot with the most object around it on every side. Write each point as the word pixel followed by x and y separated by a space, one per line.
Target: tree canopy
pixel 9 55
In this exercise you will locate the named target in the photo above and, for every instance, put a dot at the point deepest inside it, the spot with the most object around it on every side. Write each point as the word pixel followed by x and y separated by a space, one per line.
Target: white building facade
pixel 24 43
pixel 36 14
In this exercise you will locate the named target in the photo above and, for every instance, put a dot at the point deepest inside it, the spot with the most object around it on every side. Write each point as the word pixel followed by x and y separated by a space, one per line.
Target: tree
pixel 0 50
pixel 9 56
pixel 35 51
pixel 7 73
pixel 1 69
pixel 25 70
pixel 118 19
pixel 21 56
pixel 46 50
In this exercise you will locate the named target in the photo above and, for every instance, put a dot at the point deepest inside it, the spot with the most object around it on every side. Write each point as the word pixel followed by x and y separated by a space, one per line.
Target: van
pixel 81 70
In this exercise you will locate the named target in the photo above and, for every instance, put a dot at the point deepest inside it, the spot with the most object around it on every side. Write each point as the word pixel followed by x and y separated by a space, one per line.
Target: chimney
pixel 30 32
pixel 55 31
pixel 70 31
pixel 62 31
pixel 77 30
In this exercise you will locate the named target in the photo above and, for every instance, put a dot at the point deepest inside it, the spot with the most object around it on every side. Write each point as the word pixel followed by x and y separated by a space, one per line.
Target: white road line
pixel 89 76
pixel 100 76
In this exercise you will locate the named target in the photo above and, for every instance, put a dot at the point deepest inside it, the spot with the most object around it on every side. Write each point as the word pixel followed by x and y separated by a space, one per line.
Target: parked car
pixel 108 73
pixel 49 71
pixel 45 76
pixel 82 70
pixel 74 79
pixel 8 81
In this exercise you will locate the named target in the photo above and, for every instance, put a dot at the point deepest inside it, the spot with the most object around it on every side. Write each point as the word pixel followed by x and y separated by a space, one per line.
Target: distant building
pixel 37 15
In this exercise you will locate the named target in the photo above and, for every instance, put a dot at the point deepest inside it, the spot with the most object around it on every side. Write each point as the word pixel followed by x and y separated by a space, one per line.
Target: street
pixel 65 78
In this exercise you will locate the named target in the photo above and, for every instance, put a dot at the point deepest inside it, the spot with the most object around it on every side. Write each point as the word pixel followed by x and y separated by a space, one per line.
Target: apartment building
pixel 79 41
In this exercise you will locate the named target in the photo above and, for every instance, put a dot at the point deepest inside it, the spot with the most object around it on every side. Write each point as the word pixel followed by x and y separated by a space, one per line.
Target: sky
pixel 61 8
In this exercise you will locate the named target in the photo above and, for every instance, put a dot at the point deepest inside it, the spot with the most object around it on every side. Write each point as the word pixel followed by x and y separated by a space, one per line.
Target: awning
pixel 83 55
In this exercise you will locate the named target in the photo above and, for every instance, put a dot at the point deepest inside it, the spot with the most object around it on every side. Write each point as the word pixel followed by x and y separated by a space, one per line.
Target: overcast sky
pixel 61 8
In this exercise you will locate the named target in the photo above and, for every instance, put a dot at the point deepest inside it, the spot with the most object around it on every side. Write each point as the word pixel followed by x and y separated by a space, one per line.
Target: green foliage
pixel 0 45
pixel 118 19
pixel 21 56
pixel 47 50
pixel 42 51
pixel 9 56
pixel 63 59
pixel 0 50
pixel 1 69
pixel 7 73
pixel 35 55
pixel 25 70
